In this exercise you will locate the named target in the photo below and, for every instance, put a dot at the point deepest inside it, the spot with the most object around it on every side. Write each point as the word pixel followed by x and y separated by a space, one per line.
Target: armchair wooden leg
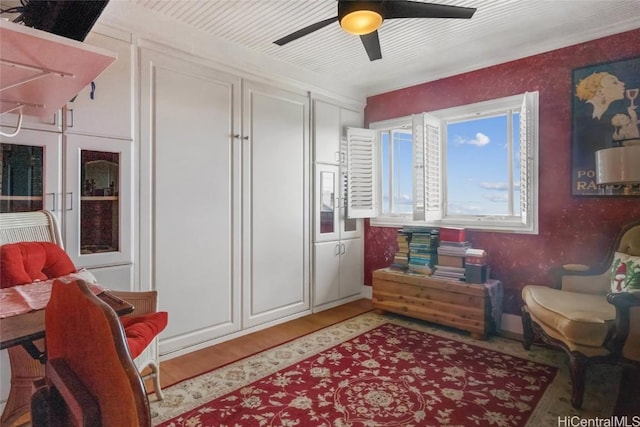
pixel 155 374
pixel 527 329
pixel 577 368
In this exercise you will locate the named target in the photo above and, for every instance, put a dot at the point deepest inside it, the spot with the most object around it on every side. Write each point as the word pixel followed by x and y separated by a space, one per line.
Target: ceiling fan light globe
pixel 360 22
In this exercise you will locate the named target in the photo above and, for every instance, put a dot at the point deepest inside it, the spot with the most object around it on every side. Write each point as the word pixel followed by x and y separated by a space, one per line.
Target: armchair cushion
pixel 26 262
pixel 142 329
pixel 625 273
pixel 582 319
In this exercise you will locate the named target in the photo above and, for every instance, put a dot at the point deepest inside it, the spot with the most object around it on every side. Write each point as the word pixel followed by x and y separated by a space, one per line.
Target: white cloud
pixel 465 208
pixel 480 140
pixel 496 197
pixel 500 186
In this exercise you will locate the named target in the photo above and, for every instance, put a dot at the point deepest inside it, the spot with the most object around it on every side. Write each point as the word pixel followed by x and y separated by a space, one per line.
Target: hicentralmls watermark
pixel 620 421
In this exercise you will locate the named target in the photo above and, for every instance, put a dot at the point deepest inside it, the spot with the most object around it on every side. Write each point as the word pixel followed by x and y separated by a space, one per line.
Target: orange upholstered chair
pixel 90 377
pixel 31 249
pixel 142 327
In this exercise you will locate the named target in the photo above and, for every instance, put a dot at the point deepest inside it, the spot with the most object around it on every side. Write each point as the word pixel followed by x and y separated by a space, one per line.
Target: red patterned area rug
pixel 386 371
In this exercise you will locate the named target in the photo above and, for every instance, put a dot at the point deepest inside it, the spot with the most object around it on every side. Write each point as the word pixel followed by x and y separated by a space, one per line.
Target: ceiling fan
pixel 363 18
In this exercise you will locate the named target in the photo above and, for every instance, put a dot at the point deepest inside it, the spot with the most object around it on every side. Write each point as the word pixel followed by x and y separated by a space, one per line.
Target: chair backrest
pixel 630 240
pixel 38 226
pixel 85 336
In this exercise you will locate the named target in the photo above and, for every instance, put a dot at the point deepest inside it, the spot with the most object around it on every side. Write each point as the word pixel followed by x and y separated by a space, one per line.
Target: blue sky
pixel 476 167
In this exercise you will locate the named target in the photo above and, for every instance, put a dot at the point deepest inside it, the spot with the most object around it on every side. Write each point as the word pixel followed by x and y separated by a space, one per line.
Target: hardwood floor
pixel 195 363
pixel 198 362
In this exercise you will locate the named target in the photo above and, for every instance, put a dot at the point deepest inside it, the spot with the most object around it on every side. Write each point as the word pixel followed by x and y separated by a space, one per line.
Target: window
pixel 472 166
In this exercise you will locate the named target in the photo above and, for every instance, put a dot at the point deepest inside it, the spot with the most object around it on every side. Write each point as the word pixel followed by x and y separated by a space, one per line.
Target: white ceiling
pixel 413 50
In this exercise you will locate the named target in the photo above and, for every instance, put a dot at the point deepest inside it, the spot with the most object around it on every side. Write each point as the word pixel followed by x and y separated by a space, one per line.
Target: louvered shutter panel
pixel 427 149
pixel 433 162
pixel 527 115
pixel 419 150
pixel 361 173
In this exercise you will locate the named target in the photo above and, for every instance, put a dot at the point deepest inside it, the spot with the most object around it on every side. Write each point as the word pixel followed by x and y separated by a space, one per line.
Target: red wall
pixel 571 229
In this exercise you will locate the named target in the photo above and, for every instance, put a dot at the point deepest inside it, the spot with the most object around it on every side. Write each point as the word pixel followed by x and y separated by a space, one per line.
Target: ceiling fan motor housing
pixel 360 17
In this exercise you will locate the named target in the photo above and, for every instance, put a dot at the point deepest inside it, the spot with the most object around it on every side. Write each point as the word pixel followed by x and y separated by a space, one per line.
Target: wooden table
pixel 23 337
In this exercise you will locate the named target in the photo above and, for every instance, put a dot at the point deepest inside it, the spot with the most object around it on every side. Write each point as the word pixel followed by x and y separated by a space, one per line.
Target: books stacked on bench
pixel 451 254
pixel 422 249
pixel 401 258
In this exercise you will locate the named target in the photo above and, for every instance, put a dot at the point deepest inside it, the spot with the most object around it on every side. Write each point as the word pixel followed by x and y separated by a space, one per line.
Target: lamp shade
pixel 361 22
pixel 618 165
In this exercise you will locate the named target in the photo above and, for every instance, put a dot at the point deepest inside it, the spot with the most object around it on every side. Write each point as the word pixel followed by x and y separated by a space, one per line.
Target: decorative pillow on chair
pixel 625 273
pixel 140 330
pixel 26 262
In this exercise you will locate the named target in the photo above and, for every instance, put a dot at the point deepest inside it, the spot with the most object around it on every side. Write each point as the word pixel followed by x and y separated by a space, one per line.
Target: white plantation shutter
pixel 361 173
pixel 528 119
pixel 419 150
pixel 427 158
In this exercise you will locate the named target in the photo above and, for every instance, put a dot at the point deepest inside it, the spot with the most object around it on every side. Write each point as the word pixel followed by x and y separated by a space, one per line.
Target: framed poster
pixel 605 115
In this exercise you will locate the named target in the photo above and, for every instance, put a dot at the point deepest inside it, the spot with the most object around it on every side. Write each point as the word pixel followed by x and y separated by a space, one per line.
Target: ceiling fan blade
pixel 371 44
pixel 412 9
pixel 306 30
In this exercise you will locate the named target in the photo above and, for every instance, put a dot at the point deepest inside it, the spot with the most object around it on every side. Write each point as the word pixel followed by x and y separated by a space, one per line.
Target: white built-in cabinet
pixel 338 271
pixel 88 142
pixel 52 123
pixel 105 108
pixel 338 240
pixel 99 150
pixel 276 191
pixel 224 200
pixel 98 220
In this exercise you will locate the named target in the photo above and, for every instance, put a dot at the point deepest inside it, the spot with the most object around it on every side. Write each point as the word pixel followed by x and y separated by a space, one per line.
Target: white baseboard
pixel 367 292
pixel 511 324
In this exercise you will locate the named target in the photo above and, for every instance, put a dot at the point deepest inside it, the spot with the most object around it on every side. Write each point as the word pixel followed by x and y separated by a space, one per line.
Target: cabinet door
pixel 30 172
pixel 351 267
pixel 349 227
pixel 190 197
pixel 326 132
pixel 327 202
pixel 104 108
pixel 51 123
pixel 276 189
pixel 119 277
pixel 326 281
pixel 98 201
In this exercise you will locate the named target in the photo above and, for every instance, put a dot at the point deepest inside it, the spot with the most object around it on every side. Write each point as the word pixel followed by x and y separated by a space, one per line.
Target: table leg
pixel 24 370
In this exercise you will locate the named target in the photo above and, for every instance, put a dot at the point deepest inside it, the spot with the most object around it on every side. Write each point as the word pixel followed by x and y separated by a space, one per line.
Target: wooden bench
pixel 460 305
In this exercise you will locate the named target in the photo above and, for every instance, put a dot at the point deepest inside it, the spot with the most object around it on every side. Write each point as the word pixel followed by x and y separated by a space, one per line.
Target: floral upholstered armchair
pixel 593 314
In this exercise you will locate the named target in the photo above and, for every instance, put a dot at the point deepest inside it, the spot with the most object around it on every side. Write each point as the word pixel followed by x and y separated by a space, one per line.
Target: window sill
pixel 474 225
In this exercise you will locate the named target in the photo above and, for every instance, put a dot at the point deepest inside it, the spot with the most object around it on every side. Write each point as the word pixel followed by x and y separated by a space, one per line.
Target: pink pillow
pixel 26 262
